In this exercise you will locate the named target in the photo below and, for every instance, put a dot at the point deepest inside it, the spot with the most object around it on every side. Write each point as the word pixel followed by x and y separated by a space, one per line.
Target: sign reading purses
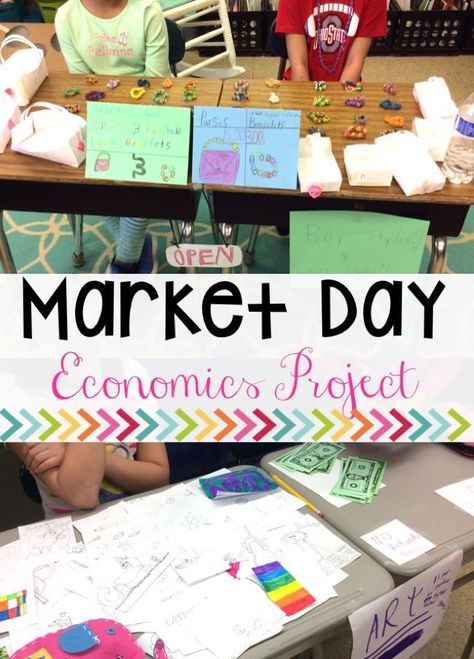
pixel 246 147
pixel 138 143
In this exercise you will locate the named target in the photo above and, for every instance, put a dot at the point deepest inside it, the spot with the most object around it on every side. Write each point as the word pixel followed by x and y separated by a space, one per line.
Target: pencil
pixel 289 489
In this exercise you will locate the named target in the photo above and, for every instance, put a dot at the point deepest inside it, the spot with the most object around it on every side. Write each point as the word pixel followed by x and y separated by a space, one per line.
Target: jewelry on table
pixel 395 122
pixel 160 97
pixel 189 94
pixel 357 102
pixel 241 92
pixel 137 92
pixel 113 83
pixel 143 82
pixel 313 129
pixel 355 133
pixel 94 96
pixel 272 83
pixel 351 86
pixel 273 98
pixel 258 157
pixel 390 88
pixel 71 91
pixel 318 117
pixel 387 104
pixel 91 80
pixel 74 108
pixel 167 83
pixel 321 101
pixel 360 119
pixel 319 86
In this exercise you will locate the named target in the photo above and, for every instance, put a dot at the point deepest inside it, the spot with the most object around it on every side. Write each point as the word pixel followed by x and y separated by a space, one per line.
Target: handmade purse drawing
pixel 219 165
pixel 102 162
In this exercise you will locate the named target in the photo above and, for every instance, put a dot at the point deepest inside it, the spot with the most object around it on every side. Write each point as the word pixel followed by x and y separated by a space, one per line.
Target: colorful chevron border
pixel 235 425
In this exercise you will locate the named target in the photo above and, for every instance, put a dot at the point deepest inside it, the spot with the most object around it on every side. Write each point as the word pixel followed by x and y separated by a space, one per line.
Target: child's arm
pixel 39 457
pixel 149 470
pixel 298 55
pixel 156 43
pixel 355 59
pixel 74 61
pixel 78 478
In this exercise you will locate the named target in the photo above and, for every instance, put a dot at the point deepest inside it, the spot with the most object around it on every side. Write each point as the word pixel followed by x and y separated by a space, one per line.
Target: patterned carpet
pixel 43 243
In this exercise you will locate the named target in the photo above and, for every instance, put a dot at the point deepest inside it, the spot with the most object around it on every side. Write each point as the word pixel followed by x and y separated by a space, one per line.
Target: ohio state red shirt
pixel 330 29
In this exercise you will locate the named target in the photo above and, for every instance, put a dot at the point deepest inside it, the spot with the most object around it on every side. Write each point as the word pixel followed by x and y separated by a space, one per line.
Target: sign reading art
pixel 138 143
pixel 246 147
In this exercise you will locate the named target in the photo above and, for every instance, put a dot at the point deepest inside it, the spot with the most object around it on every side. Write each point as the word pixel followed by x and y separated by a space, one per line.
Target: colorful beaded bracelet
pixel 355 133
pixel 167 83
pixel 351 86
pixel 113 83
pixel 318 117
pixel 390 88
pixel 360 119
pixel 312 130
pixel 240 95
pixel 319 86
pixel 396 122
pixel 189 95
pixel 387 104
pixel 71 91
pixel 357 102
pixel 160 97
pixel 94 96
pixel 190 84
pixel 272 83
pixel 143 82
pixel 321 101
pixel 136 93
pixel 91 80
pixel 74 108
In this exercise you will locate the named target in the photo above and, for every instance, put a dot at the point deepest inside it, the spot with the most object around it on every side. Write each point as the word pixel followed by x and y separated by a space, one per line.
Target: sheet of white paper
pixel 397 541
pixel 194 566
pixel 399 623
pixel 46 538
pixel 18 588
pixel 92 526
pixel 461 494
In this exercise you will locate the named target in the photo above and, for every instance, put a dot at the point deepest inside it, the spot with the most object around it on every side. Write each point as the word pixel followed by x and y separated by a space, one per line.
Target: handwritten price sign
pixel 138 143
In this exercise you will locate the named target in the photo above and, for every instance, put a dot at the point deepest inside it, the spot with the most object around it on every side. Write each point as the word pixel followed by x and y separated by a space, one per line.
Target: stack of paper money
pixel 310 458
pixel 360 479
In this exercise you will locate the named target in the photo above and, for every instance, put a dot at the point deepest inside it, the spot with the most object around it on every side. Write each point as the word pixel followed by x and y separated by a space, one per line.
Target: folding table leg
pixel 439 246
pixel 469 647
pixel 6 258
pixel 249 255
pixel 229 235
pixel 77 226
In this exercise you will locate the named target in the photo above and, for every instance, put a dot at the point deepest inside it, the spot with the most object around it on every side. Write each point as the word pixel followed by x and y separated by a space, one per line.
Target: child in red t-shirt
pixel 330 40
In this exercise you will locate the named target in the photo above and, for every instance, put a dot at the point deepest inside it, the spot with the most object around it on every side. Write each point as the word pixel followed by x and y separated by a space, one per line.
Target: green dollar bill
pixel 311 456
pixel 356 480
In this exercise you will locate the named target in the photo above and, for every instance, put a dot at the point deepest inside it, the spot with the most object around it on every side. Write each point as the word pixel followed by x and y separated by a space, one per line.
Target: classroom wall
pixel 16 508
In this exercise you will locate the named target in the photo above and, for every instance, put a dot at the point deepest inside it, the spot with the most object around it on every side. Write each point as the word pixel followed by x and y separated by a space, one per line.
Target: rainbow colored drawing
pixel 13 605
pixel 282 588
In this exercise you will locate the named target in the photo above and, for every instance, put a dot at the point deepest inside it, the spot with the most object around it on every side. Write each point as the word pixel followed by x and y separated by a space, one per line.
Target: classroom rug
pixel 42 243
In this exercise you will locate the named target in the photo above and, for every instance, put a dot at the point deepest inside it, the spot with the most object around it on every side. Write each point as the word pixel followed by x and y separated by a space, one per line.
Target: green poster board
pixel 341 242
pixel 143 143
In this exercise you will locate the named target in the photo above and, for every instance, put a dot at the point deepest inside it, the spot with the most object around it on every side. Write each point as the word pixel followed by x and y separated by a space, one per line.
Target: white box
pixel 435 134
pixel 367 165
pixel 317 164
pixel 434 99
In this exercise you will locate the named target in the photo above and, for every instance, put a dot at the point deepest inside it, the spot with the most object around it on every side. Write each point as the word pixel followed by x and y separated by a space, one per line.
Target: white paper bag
pixel 24 71
pixel 435 134
pixel 317 165
pixel 9 116
pixel 52 133
pixel 367 165
pixel 434 99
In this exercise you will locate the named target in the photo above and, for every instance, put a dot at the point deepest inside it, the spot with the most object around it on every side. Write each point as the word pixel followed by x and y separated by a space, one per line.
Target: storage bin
pixel 467 44
pixel 249 32
pixel 429 32
pixel 48 9
pixel 384 45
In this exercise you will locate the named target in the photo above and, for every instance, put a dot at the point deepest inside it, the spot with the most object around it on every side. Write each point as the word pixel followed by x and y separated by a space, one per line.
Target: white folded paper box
pixel 24 71
pixel 434 99
pixel 435 134
pixel 9 116
pixel 366 164
pixel 413 168
pixel 317 164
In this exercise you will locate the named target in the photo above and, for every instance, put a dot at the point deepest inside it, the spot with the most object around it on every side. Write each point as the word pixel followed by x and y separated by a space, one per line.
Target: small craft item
pixel 390 88
pixel 357 102
pixel 314 191
pixel 94 96
pixel 190 84
pixel 91 80
pixel 137 92
pixel 237 483
pixel 143 82
pixel 321 101
pixel 360 119
pixel 189 94
pixel 351 86
pixel 71 91
pixel 388 131
pixel 387 104
pixel 283 589
pixel 273 83
pixel 318 117
pixel 257 157
pixel 273 98
pixel 241 92
pixel 24 70
pixel 93 639
pixel 395 122
pixel 113 83
pixel 355 133
pixel 319 86
pixel 74 108
pixel 160 97
pixel 167 83
pixel 313 129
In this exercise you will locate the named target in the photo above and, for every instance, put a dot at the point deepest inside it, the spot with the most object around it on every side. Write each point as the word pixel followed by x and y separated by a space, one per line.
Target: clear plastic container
pixel 458 166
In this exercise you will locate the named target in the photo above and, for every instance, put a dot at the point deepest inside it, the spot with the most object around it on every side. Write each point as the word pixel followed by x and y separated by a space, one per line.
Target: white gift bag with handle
pixel 24 70
pixel 52 133
pixel 9 116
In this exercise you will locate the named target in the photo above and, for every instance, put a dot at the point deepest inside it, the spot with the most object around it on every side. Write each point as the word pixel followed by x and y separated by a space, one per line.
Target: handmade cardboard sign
pixel 138 143
pixel 246 147
pixel 398 624
pixel 355 242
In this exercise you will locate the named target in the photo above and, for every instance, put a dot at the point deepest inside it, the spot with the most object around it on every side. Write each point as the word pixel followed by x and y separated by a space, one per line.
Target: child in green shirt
pixel 117 38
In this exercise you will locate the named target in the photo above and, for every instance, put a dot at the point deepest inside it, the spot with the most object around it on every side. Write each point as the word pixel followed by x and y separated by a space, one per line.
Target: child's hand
pixel 41 457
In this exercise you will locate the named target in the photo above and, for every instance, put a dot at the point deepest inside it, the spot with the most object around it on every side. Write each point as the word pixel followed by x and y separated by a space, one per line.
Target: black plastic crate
pixel 429 32
pixel 384 45
pixel 248 32
pixel 467 44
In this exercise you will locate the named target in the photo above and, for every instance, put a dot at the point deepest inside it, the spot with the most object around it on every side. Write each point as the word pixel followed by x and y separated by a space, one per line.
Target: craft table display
pixel 35 184
pixel 446 209
pixel 365 582
pixel 412 475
